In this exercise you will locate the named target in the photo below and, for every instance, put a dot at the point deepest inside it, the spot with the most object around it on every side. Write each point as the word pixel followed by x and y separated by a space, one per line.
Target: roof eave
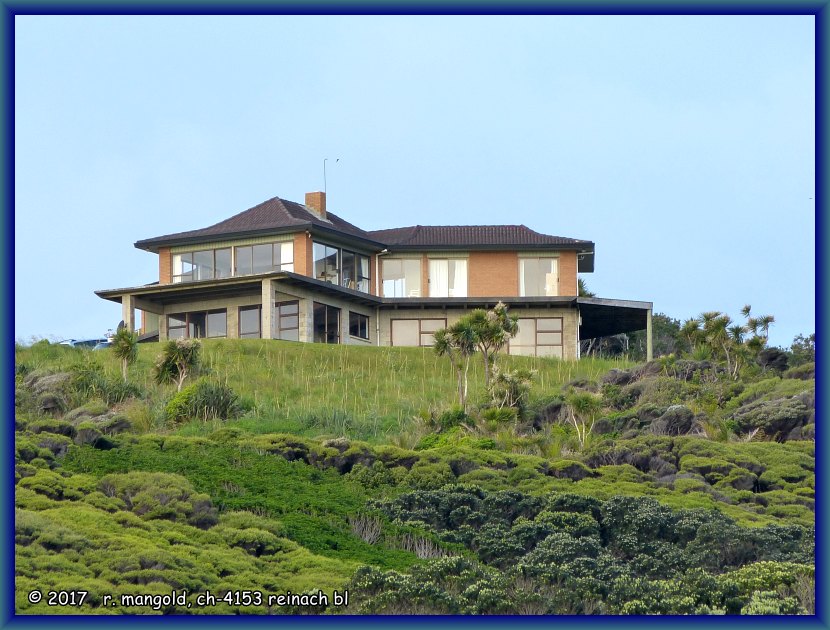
pixel 154 244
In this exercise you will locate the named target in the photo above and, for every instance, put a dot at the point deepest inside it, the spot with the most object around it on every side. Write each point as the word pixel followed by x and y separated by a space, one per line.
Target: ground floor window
pixel 326 323
pixel 288 320
pixel 415 332
pixel 198 325
pixel 250 322
pixel 539 336
pixel 358 325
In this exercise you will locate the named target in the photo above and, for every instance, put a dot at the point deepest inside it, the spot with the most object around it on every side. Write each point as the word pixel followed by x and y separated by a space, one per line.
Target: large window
pixel 358 325
pixel 212 264
pixel 538 276
pixel 401 277
pixel 326 263
pixel 198 325
pixel 288 320
pixel 541 337
pixel 251 259
pixel 326 323
pixel 415 332
pixel 207 264
pixel 341 266
pixel 250 322
pixel 447 278
pixel 355 271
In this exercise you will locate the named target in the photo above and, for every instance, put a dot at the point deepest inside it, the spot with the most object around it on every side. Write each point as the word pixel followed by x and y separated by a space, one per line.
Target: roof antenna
pixel 324 171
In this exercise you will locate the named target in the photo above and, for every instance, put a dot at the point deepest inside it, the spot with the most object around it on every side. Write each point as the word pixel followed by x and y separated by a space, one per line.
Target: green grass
pixel 365 393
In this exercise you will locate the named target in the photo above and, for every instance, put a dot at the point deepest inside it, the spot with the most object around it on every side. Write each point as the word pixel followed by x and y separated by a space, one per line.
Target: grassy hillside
pixel 313 389
pixel 350 469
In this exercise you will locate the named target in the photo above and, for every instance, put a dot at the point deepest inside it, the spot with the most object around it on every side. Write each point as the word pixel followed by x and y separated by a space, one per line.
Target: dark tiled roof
pixel 472 236
pixel 274 214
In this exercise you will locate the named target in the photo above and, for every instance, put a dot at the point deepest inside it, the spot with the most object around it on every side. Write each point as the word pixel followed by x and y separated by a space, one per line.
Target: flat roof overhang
pixel 163 294
pixel 602 317
pixel 480 302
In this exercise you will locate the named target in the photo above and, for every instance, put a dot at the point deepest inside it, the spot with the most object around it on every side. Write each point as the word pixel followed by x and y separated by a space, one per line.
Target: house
pixel 284 270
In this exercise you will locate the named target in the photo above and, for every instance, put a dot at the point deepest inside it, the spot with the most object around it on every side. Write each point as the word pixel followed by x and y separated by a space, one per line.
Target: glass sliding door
pixel 447 278
pixel 401 277
pixel 326 323
pixel 538 277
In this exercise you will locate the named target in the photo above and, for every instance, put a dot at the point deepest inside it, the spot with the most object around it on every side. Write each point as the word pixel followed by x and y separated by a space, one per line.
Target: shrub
pixel 204 401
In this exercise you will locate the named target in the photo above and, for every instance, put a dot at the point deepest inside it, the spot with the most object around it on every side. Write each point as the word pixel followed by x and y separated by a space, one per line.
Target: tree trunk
pixel 182 376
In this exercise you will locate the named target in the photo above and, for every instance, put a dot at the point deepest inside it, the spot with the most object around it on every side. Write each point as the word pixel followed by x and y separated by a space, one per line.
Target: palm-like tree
pixel 692 332
pixel 493 329
pixel 764 322
pixel 178 360
pixel 458 342
pixel 583 408
pixel 125 347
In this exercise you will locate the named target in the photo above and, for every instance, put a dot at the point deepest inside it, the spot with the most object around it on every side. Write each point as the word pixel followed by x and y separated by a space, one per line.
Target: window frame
pixel 421 331
pixel 405 290
pixel 362 321
pixel 253 307
pixel 328 332
pixel 523 260
pixel 536 333
pixel 189 317
pixel 281 317
pixel 433 264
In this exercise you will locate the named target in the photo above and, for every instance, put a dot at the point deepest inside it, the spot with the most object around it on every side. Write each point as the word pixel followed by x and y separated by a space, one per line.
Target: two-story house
pixel 283 270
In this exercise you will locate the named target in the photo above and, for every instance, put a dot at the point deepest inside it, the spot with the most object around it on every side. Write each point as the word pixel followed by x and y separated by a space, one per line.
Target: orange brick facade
pixel 303 252
pixel 165 266
pixel 567 273
pixel 493 274
pixel 489 274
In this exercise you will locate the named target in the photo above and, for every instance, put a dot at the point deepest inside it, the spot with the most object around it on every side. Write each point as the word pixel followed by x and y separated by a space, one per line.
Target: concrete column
pixel 128 311
pixel 649 348
pixel 267 309
pixel 233 322
pixel 306 332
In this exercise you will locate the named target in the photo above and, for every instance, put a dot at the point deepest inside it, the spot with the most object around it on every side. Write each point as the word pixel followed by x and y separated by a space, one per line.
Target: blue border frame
pixel 10 8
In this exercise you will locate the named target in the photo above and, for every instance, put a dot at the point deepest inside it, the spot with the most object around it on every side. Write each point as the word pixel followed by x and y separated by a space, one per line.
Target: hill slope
pixel 650 515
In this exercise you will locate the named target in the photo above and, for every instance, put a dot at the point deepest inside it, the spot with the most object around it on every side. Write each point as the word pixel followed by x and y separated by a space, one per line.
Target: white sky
pixel 682 146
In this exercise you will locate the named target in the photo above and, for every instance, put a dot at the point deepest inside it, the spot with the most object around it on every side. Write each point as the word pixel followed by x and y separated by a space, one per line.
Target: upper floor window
pixel 447 278
pixel 212 264
pixel 326 263
pixel 341 266
pixel 401 277
pixel 207 264
pixel 355 271
pixel 263 258
pixel 538 277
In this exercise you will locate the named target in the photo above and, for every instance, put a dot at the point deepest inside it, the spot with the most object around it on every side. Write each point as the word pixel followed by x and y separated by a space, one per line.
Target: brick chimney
pixel 316 203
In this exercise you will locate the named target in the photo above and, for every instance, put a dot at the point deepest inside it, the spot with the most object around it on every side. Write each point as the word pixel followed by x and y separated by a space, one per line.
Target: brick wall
pixel 567 273
pixel 165 265
pixel 303 261
pixel 493 274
